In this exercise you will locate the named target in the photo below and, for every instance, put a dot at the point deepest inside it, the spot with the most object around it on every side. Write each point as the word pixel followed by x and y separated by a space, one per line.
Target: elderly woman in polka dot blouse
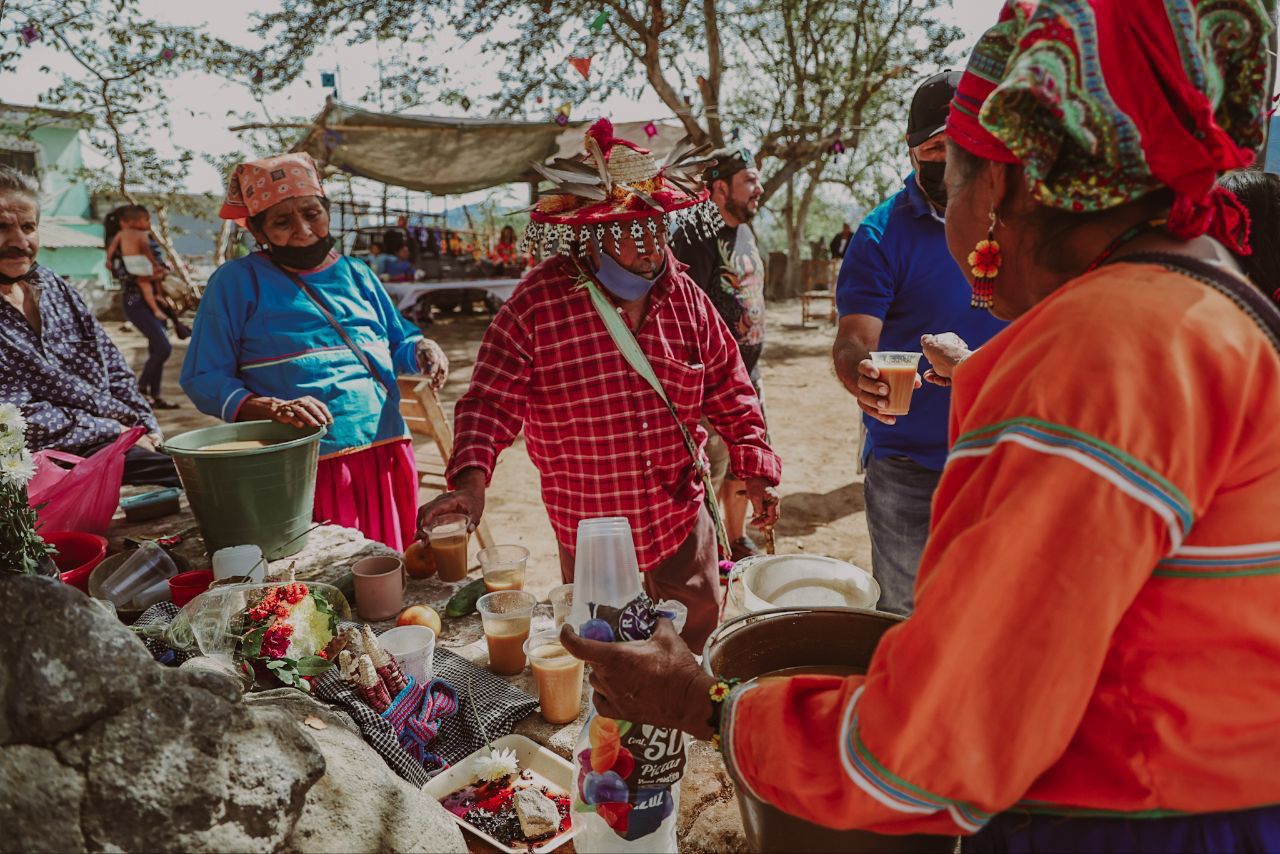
pixel 300 334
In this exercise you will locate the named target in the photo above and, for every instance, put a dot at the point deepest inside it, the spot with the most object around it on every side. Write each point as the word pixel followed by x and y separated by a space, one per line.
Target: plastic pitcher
pixel 260 495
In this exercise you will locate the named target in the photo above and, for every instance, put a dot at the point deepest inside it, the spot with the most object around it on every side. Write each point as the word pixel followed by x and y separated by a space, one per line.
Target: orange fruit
pixel 419 562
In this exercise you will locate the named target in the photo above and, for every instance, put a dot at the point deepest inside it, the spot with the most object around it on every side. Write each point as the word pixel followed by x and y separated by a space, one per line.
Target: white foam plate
pixel 532 757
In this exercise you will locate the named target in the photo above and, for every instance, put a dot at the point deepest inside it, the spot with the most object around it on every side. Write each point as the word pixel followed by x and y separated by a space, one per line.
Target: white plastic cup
pixel 503 567
pixel 413 648
pixel 239 561
pixel 148 566
pixel 605 570
pixel 561 602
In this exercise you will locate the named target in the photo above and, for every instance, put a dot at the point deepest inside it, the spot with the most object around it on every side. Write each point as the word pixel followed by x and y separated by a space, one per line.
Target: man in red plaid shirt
pixel 603 440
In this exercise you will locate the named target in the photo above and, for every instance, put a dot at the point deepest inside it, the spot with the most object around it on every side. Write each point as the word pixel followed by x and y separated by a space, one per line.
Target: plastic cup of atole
pixel 448 536
pixel 506 617
pixel 898 372
pixel 558 676
pixel 503 567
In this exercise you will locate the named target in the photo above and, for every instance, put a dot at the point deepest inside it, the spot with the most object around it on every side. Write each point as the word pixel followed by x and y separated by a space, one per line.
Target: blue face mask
pixel 621 282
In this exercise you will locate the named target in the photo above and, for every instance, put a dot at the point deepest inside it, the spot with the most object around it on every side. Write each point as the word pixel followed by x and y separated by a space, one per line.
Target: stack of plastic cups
pixel 143 579
pixel 605 571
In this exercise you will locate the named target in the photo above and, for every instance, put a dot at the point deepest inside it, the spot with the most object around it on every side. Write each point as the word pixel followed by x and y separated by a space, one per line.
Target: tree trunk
pixel 793 284
pixel 179 269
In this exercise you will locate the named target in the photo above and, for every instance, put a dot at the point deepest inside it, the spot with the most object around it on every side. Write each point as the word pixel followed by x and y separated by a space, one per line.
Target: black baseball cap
pixel 930 105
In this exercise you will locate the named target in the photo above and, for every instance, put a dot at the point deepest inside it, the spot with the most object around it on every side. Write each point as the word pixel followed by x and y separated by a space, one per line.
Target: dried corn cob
pixel 388 668
pixel 347 668
pixel 371 687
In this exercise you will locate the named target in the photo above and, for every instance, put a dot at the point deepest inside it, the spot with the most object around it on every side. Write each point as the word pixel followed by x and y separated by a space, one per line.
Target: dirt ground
pixel 813 424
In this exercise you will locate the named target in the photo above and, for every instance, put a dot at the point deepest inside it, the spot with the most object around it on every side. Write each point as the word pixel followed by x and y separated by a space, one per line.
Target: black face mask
pixel 930 173
pixel 30 275
pixel 302 257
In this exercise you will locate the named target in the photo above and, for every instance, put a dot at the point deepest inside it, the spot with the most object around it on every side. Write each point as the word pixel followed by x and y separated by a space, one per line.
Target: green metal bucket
pixel 258 496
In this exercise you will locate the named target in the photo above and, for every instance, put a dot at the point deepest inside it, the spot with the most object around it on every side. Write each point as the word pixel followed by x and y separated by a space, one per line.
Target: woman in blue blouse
pixel 267 345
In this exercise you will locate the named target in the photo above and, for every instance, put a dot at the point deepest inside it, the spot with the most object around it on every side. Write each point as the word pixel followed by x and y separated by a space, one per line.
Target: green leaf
pixel 313 665
pixel 252 644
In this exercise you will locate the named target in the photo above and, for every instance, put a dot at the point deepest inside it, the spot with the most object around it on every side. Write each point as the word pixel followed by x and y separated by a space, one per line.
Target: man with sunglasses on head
pixel 727 266
pixel 897 282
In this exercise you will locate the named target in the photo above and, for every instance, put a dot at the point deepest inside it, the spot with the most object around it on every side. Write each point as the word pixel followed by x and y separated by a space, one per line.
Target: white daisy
pixel 11 420
pixel 17 469
pixel 495 764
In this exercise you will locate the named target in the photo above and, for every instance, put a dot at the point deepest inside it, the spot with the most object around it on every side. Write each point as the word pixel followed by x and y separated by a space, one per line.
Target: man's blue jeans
pixel 898 492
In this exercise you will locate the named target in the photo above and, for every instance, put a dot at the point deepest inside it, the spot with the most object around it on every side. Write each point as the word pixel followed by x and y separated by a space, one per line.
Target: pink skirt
pixel 374 491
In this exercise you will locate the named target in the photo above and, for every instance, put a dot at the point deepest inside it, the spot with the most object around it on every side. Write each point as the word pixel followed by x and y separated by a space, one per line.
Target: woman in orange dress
pixel 1092 661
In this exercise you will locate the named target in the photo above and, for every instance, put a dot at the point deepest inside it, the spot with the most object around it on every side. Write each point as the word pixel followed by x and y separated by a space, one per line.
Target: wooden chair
pixel 420 407
pixel 819 275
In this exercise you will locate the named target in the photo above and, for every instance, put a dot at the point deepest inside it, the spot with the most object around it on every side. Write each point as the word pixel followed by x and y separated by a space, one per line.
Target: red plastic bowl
pixel 186 586
pixel 78 553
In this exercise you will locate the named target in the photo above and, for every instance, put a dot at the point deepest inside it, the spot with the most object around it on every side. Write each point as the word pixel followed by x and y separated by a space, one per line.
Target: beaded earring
pixel 984 264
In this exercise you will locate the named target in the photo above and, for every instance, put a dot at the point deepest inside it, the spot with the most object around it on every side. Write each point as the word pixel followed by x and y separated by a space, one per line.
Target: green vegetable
pixel 464 601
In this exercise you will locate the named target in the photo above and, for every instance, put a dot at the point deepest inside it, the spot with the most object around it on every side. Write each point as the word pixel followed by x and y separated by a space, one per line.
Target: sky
pixel 200 103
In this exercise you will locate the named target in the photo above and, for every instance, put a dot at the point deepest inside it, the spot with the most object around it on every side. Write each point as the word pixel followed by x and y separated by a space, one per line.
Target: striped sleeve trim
pixel 231 406
pixel 1130 475
pixel 869 775
pixel 1240 561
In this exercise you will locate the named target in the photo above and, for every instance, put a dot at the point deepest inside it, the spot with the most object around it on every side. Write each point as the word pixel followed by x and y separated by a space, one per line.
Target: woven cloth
pixel 500 706
pixel 487 704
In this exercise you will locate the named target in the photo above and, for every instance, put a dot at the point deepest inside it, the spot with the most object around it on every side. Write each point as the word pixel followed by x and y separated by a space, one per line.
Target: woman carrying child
pixel 134 261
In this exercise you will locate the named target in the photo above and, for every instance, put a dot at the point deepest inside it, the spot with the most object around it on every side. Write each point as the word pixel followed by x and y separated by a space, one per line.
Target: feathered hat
pixel 615 183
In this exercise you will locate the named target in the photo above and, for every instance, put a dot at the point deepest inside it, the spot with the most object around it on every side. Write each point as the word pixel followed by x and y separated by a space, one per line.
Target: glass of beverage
pixel 558 676
pixel 898 371
pixel 561 602
pixel 506 617
pixel 448 537
pixel 503 567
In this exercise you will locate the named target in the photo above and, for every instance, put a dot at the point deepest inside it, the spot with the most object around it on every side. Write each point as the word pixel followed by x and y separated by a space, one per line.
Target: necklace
pixel 1125 236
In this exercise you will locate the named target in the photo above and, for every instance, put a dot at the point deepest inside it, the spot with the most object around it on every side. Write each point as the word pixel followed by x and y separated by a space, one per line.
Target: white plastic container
pixel 800 581
pixel 239 561
pixel 413 648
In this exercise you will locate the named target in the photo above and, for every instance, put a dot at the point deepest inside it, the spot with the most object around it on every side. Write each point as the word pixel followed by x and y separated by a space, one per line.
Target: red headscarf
pixel 1104 101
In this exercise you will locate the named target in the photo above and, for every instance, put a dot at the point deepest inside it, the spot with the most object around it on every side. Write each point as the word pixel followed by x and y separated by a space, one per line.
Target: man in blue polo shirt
pixel 898 282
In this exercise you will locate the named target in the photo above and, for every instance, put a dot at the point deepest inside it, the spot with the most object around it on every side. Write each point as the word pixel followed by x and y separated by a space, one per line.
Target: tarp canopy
pixel 448 155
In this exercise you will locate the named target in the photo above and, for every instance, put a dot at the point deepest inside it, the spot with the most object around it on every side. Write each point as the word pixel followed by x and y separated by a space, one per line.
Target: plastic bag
pixel 627 790
pixel 85 496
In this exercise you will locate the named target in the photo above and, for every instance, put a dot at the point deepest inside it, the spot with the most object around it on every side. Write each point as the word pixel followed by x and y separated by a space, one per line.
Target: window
pixel 23 161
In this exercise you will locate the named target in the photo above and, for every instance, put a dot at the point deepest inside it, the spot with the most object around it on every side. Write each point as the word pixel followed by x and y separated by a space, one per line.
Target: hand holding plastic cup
pixel 506 617
pixel 898 372
pixel 448 536
pixel 503 567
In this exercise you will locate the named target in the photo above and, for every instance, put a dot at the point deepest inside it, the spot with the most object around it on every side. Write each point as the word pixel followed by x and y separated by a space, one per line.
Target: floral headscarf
pixel 1104 101
pixel 257 185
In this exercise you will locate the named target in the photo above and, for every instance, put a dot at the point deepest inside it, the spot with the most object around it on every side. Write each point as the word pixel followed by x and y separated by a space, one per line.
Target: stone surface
pixel 359 805
pixel 103 749
pixel 41 800
pixel 190 770
pixel 68 662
